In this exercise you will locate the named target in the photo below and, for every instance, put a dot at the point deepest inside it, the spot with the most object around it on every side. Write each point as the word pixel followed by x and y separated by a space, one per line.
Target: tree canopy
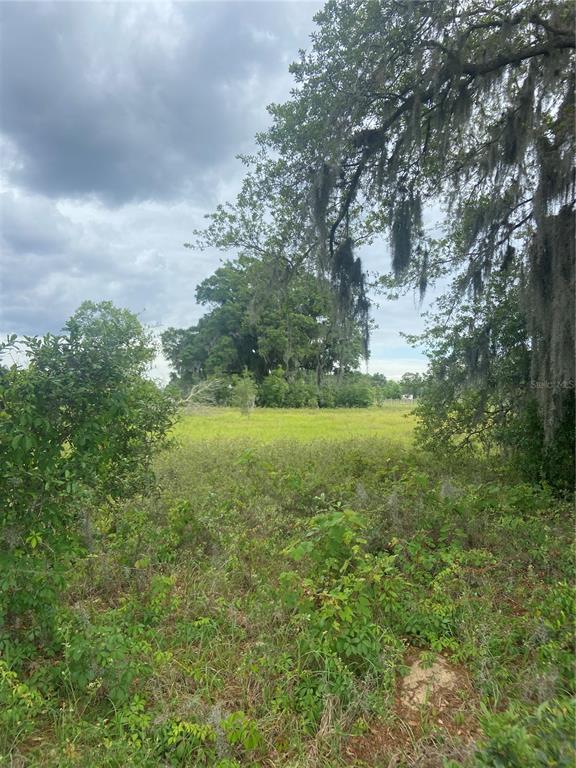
pixel 402 106
pixel 257 323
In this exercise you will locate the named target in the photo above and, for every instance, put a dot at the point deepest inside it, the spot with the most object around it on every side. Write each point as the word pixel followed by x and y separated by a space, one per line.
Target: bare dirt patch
pixel 433 719
pixel 435 685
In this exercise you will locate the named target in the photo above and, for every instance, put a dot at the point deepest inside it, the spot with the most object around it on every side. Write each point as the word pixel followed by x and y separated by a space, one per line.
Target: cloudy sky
pixel 119 129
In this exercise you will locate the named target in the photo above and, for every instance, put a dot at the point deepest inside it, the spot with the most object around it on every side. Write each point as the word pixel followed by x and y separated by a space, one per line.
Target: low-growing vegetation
pixel 394 421
pixel 265 604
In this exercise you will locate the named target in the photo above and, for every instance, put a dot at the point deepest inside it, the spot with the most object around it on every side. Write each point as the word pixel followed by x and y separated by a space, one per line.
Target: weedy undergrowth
pixel 262 605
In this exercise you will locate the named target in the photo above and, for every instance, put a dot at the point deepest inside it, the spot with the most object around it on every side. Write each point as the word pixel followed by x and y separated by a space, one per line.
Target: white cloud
pixel 395 368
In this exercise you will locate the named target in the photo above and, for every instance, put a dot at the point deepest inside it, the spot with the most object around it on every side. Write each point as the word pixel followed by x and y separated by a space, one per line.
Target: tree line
pixel 287 345
pixel 400 106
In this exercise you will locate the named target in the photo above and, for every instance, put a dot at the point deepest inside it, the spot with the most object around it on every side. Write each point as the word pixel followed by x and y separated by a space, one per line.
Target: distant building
pixel 407 397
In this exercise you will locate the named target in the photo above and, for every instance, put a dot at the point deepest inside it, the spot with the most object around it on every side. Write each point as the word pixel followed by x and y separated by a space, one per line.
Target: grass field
pixel 279 599
pixel 393 421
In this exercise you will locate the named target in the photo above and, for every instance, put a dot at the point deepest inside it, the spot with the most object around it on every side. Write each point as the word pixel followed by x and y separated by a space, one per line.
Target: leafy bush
pixel 183 742
pixel 301 394
pixel 355 390
pixel 102 659
pixel 273 391
pixel 479 395
pixel 241 731
pixel 187 742
pixel 354 394
pixel 327 394
pixel 244 392
pixel 539 739
pixel 20 703
pixel 79 424
pixel 555 614
pixel 336 611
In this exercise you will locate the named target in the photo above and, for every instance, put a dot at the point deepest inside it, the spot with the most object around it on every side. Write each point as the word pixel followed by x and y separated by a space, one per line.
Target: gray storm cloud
pixel 138 102
pixel 119 129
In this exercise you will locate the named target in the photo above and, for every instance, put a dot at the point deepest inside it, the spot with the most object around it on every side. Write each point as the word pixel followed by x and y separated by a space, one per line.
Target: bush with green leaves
pixel 102 659
pixel 479 397
pixel 337 607
pixel 243 394
pixel 327 393
pixel 354 394
pixel 555 610
pixel 302 393
pixel 188 742
pixel 535 739
pixel 273 391
pixel 185 742
pixel 241 732
pixel 20 704
pixel 79 424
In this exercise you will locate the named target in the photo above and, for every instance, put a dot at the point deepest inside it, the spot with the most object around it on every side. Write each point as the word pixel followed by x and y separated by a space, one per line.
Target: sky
pixel 120 126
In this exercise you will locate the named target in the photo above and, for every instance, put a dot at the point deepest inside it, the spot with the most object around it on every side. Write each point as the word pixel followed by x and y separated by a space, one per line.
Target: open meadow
pixel 304 589
pixel 393 422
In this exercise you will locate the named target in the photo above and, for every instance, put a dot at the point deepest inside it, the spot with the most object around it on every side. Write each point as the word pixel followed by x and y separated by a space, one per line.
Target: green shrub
pixel 184 742
pixel 301 394
pixel 102 660
pixel 241 732
pixel 132 722
pixel 244 392
pixel 78 425
pixel 20 704
pixel 336 609
pixel 274 389
pixel 540 739
pixel 354 394
pixel 554 611
pixel 327 394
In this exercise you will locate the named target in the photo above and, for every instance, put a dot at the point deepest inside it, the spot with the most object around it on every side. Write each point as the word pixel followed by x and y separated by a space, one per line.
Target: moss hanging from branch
pixel 551 316
pixel 349 283
pixel 405 230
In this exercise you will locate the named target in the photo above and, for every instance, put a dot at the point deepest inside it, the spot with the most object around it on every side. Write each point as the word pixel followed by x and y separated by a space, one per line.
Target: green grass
pixel 393 421
pixel 195 636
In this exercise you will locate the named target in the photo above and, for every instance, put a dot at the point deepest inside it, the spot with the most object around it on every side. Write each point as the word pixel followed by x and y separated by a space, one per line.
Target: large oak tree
pixel 401 105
